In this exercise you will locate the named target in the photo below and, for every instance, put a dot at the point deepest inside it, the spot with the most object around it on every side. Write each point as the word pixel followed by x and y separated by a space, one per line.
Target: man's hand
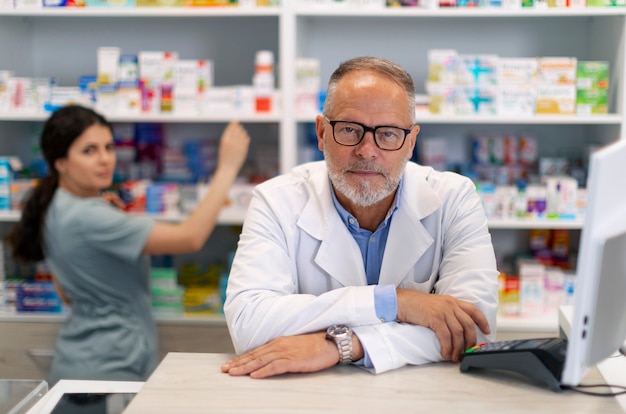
pixel 300 353
pixel 452 320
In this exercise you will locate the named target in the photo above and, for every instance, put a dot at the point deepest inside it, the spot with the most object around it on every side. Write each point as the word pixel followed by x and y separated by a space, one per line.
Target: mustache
pixel 365 165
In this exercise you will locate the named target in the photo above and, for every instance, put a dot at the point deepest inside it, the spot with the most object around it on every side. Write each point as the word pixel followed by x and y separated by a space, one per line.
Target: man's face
pixel 364 173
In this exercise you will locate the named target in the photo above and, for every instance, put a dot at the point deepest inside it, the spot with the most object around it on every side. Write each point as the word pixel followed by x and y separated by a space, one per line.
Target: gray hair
pixel 383 66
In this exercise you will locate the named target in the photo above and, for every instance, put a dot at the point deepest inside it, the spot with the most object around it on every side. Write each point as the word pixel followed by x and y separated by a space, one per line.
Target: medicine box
pixel 592 74
pixel 160 3
pixel 558 70
pixel 5 184
pixel 442 65
pixel 592 101
pixel 192 79
pixel 110 3
pixel 476 70
pixel 516 99
pixel 517 70
pixel 556 99
pixel 37 297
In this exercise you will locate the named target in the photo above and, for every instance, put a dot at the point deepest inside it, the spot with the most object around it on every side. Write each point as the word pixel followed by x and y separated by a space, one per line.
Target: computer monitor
pixel 598 327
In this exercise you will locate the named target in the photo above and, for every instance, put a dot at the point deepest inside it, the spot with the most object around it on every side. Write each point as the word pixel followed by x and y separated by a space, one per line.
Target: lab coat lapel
pixel 408 238
pixel 338 254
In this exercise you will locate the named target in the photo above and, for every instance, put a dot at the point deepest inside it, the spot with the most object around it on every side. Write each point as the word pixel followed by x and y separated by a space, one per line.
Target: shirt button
pixel 372 239
pixel 351 220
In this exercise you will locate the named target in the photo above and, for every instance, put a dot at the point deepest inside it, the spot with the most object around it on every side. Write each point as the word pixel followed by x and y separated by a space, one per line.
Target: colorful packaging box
pixel 476 70
pixel 592 75
pixel 38 297
pixel 5 184
pixel 110 3
pixel 558 70
pixel 592 84
pixel 555 99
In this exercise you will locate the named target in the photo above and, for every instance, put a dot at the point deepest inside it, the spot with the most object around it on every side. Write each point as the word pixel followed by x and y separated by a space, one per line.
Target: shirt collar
pixel 351 222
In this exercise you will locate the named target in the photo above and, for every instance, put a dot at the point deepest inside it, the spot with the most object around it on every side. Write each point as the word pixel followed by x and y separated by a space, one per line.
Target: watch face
pixel 339 331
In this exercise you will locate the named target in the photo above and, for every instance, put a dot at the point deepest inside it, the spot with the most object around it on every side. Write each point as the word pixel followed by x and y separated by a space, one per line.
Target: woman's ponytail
pixel 26 237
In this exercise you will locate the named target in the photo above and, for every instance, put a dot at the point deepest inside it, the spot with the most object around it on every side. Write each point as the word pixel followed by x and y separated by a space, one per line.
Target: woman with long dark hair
pixel 98 254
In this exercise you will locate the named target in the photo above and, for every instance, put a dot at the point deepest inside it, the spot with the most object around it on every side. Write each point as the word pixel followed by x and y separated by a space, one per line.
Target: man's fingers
pixel 276 367
pixel 247 363
pixel 477 316
pixel 469 332
pixel 457 336
pixel 445 340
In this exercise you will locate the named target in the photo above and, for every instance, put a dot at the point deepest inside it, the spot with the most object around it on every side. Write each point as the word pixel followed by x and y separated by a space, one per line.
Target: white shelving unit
pixel 63 42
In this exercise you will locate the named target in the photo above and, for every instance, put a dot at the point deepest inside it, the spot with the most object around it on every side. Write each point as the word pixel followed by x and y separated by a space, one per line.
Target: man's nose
pixel 368 145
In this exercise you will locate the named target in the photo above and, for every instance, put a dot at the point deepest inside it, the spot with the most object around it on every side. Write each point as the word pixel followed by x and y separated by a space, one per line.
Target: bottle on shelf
pixel 264 81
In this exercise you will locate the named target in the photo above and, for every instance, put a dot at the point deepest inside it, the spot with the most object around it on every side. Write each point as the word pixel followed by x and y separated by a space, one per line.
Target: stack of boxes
pixel 167 296
pixel 490 85
pixel 476 82
pixel 517 85
pixel 556 87
pixel 592 88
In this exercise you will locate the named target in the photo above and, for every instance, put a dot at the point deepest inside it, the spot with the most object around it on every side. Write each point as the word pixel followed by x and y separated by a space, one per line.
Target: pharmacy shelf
pixel 427 118
pixel 235 217
pixel 273 117
pixel 462 12
pixel 79 12
pixel 9 216
pixel 546 323
pixel 186 320
pixel 521 224
pixel 227 217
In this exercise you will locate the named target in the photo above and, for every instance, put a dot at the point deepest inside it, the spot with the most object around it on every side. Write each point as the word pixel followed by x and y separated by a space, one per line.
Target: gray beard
pixel 362 194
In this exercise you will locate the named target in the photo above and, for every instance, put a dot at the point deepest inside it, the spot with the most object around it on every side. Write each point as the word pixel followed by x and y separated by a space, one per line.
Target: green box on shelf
pixel 592 101
pixel 592 74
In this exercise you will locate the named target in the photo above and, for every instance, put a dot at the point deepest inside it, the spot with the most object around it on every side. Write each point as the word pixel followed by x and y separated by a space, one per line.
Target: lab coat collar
pixel 320 220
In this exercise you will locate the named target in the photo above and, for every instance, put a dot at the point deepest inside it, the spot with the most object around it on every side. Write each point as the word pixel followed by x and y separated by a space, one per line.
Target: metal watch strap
pixel 345 350
pixel 341 335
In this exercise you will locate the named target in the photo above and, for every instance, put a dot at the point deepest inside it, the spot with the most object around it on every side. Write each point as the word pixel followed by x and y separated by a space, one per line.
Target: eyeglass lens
pixel 349 133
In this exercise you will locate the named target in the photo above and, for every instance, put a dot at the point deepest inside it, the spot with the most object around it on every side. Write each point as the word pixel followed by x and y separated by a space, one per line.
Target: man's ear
pixel 415 130
pixel 320 125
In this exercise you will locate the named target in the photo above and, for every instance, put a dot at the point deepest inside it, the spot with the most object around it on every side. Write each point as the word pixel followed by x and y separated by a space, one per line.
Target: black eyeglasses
pixel 350 134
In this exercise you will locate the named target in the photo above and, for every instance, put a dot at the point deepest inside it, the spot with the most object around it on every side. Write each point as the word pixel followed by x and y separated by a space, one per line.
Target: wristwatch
pixel 342 336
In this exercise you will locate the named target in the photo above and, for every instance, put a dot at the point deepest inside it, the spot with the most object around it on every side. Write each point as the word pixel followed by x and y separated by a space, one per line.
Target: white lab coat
pixel 298 270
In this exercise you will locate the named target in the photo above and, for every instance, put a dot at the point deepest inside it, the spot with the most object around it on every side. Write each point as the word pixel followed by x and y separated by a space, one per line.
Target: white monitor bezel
pixel 606 202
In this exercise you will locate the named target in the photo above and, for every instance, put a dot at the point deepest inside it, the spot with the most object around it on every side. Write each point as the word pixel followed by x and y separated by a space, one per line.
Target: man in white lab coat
pixel 364 257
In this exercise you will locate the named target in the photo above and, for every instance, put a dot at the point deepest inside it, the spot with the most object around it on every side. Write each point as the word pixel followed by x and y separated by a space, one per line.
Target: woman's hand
pixel 113 199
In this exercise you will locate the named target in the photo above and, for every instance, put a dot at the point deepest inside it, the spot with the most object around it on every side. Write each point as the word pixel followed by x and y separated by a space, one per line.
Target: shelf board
pixel 165 118
pixel 609 119
pixel 463 12
pixel 216 11
pixel 545 323
pixel 548 323
pixel 573 224
pixel 187 320
pixel 235 217
pixel 228 216
pixel 9 216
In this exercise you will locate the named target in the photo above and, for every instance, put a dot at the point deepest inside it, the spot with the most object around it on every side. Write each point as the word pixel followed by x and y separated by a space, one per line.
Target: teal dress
pixel 95 252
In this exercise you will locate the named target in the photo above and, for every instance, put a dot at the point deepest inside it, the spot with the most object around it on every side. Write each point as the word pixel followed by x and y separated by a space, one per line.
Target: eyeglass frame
pixel 367 129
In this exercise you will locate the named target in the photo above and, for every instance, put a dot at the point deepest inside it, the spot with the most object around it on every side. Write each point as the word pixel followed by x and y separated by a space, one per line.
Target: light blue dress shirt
pixel 372 246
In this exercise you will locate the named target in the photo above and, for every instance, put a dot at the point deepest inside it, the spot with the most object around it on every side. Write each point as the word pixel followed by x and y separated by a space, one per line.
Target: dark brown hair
pixel 60 131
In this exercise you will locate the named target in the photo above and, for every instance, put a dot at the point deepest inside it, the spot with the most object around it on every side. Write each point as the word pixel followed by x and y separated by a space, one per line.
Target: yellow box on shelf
pixel 202 301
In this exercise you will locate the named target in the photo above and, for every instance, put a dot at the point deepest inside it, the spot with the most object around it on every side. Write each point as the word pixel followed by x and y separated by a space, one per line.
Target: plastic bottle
pixel 264 81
